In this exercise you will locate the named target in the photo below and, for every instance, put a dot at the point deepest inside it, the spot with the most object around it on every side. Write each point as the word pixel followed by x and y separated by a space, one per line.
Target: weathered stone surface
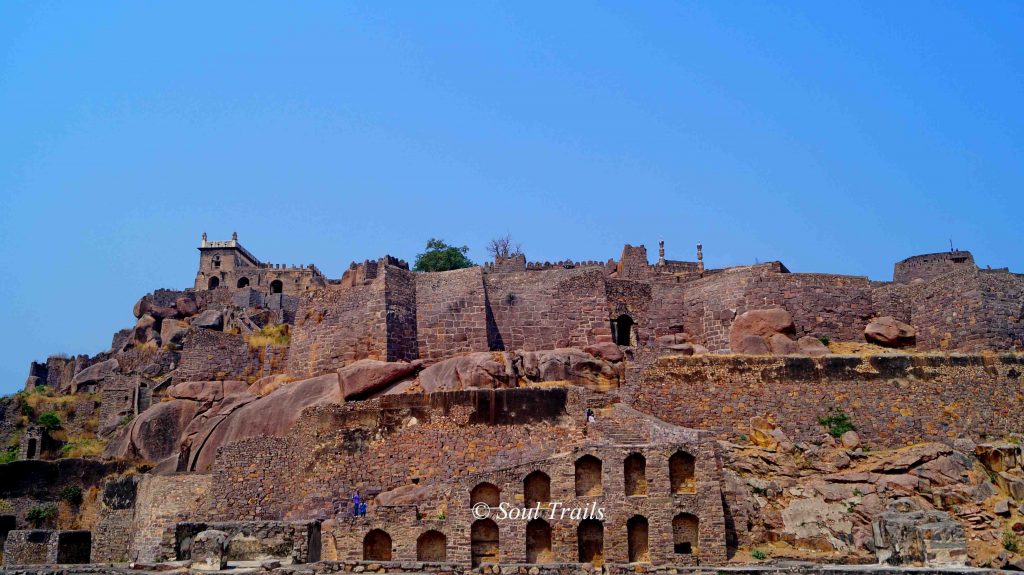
pixel 752 345
pixel 887 331
pixel 605 350
pixel 172 331
pixel 764 433
pixel 209 550
pixel 155 434
pixel 186 307
pixel 999 456
pixel 568 364
pixel 760 322
pixel 209 319
pixel 929 537
pixel 96 374
pixel 850 440
pixel 812 346
pixel 782 345
pixel 474 370
pixel 368 376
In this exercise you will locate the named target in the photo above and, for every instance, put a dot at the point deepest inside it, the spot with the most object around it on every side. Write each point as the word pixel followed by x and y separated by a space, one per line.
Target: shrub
pixel 10 454
pixel 72 494
pixel 758 554
pixel 824 339
pixel 49 420
pixel 41 514
pixel 837 423
pixel 441 257
pixel 1010 542
pixel 83 448
pixel 272 334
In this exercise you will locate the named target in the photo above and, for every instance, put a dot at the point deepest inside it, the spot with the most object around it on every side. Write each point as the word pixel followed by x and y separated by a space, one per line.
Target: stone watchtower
pixel 228 265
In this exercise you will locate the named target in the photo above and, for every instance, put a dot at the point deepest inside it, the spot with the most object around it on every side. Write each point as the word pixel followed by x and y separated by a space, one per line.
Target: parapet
pixel 928 266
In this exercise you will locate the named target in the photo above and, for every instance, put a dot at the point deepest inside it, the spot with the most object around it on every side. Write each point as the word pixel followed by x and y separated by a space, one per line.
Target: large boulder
pixel 763 323
pixel 209 319
pixel 186 306
pixel 156 433
pixel 272 415
pixel 812 346
pixel 210 550
pixel 475 370
pixel 207 392
pixel 605 350
pixel 368 376
pixel 752 345
pixel 146 329
pixel 888 331
pixel 999 456
pixel 95 374
pixel 568 364
pixel 172 331
pixel 142 306
pixel 931 538
pixel 781 345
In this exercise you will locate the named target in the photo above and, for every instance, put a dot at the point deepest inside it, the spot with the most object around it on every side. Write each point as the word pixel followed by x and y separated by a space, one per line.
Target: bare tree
pixel 503 248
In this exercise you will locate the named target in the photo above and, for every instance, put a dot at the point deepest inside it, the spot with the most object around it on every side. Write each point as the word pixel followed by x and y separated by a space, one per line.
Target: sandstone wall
pixel 893 400
pixel 401 291
pixel 209 355
pixel 970 310
pixel 162 502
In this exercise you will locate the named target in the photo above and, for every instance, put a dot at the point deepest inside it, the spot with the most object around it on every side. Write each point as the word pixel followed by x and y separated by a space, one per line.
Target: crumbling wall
pixel 931 266
pixel 209 355
pixel 451 315
pixel 162 502
pixel 892 400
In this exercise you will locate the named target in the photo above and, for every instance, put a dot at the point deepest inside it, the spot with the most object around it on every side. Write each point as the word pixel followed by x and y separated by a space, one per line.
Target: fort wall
pixel 450 313
pixel 893 400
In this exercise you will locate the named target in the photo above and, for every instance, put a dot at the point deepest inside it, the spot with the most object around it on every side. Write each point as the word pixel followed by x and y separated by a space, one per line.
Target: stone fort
pixel 621 385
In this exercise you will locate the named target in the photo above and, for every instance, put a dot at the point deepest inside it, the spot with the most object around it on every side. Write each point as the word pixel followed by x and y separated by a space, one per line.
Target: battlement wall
pixel 930 266
pixel 892 400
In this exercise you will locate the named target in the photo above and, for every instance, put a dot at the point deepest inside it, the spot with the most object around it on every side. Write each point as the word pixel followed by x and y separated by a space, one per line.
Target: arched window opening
pixel 276 286
pixel 377 546
pixel 681 472
pixel 243 282
pixel 216 262
pixel 590 541
pixel 483 542
pixel 588 476
pixel 432 546
pixel 538 542
pixel 685 528
pixel 213 283
pixel 636 531
pixel 485 493
pixel 537 489
pixel 623 328
pixel 634 470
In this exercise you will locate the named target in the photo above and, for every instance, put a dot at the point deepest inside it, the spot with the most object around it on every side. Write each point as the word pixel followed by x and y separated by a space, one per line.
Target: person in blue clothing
pixel 362 509
pixel 355 503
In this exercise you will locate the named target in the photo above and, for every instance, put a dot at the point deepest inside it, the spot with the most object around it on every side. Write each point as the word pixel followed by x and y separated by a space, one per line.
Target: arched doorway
pixel 483 542
pixel 636 535
pixel 276 286
pixel 243 282
pixel 590 541
pixel 588 476
pixel 623 328
pixel 536 489
pixel 485 493
pixel 214 283
pixel 634 470
pixel 377 546
pixel 538 542
pixel 680 471
pixel 685 528
pixel 432 546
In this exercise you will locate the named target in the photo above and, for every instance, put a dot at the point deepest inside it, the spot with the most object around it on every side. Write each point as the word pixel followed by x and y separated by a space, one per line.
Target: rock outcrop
pixel 888 331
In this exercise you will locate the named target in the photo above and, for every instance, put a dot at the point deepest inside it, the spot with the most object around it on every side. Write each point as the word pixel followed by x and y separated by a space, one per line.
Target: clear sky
pixel 834 136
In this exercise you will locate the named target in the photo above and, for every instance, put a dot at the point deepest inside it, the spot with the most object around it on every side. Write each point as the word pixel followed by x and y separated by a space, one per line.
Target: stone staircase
pixel 616 433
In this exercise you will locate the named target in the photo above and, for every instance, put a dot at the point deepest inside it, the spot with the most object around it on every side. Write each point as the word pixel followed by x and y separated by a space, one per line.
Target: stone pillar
pixel 700 258
pixel 661 252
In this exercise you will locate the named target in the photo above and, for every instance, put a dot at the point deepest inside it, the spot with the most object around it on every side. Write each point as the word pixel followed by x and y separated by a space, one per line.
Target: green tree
pixel 441 257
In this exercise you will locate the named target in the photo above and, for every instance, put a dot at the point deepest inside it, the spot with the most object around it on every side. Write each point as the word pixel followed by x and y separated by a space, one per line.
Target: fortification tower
pixel 226 264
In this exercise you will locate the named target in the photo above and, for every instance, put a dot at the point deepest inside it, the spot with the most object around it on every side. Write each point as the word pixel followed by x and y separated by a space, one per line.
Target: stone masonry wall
pixel 971 310
pixel 400 291
pixel 162 502
pixel 335 326
pixel 547 309
pixel 209 355
pixel 893 400
pixel 451 315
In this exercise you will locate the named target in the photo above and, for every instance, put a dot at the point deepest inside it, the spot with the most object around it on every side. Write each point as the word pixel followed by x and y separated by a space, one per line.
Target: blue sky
pixel 834 136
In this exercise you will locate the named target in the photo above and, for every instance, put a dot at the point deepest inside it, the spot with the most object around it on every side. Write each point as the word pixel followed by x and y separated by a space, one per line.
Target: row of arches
pixel 276 286
pixel 485 541
pixel 537 485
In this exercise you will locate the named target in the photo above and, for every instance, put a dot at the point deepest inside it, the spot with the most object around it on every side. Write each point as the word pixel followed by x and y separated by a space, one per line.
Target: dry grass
pixel 275 334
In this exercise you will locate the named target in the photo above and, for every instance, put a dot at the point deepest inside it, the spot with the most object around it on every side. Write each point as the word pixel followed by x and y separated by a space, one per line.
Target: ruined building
pixel 679 415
